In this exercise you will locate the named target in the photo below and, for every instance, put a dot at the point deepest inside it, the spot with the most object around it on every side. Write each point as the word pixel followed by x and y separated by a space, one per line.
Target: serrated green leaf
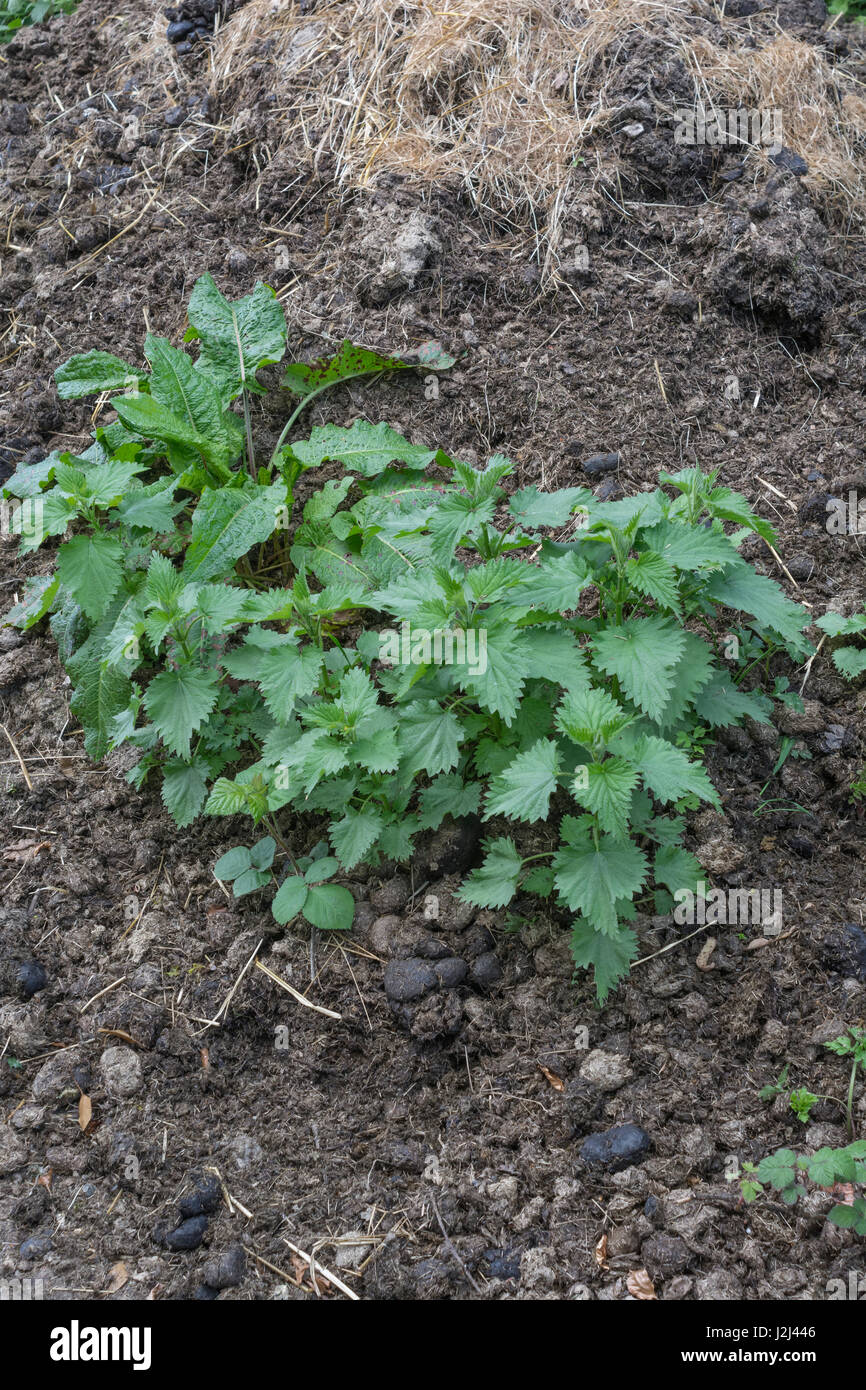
pixel 352 836
pixel 447 795
pixel 286 675
pixel 591 717
pixel 609 955
pixel 191 395
pixel 642 653
pixel 536 510
pixel 650 574
pixel 524 789
pixel 90 568
pixel 607 793
pixel 430 737
pixel 495 883
pixel 178 703
pixel 591 877
pixel 184 790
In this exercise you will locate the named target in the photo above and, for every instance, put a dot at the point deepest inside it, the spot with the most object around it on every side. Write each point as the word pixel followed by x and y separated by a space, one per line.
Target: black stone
pixel 178 30
pixel 35 1247
pixel 616 1148
pixel 502 1263
pixel 205 1294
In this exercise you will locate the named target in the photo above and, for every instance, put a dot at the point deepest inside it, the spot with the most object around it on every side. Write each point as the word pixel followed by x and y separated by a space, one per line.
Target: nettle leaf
pixel 691 547
pixel 524 789
pixel 456 517
pixel 237 337
pixel 837 626
pixel 287 675
pixel 607 793
pixel 677 869
pixel 178 703
pixel 721 703
pixel 151 507
pixel 90 373
pixel 495 883
pixel 91 568
pixel 447 795
pixel 508 661
pixel 329 907
pixel 609 956
pixel 743 589
pixel 694 672
pixel 850 661
pixel 184 789
pixel 430 737
pixel 642 653
pixel 650 574
pixel 226 524
pixel 592 877
pixel 667 771
pixel 362 448
pixel 354 835
pixel 554 585
pixel 591 717
pixel 556 656
pixel 536 510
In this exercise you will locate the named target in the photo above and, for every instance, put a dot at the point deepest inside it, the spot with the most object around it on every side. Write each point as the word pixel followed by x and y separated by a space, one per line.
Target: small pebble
pixel 601 463
pixel 227 1270
pixel 408 979
pixel 616 1148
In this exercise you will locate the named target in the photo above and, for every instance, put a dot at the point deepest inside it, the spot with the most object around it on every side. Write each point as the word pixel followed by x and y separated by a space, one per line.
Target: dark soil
pixel 466 1070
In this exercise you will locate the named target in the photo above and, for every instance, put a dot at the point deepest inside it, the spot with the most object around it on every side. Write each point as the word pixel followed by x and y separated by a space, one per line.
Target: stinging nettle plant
pixel 234 637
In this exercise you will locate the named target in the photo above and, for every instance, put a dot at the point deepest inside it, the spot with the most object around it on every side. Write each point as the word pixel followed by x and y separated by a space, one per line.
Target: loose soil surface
pixel 426 1143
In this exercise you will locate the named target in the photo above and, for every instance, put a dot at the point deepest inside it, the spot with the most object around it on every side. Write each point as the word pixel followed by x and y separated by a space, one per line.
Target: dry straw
pixel 511 99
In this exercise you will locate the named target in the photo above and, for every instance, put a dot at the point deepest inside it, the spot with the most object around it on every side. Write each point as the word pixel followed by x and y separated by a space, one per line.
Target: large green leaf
pixel 89 373
pixel 226 524
pixel 361 448
pixel 190 394
pixel 90 567
pixel 591 876
pixel 495 883
pixel 237 337
pixel 523 790
pixel 607 954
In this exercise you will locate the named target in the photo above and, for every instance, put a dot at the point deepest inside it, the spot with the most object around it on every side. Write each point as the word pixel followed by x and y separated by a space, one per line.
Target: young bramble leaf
pixel 329 907
pixel 289 899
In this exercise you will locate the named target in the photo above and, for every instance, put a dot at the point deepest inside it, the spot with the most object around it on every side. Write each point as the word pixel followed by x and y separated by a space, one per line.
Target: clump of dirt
pixel 457 1072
